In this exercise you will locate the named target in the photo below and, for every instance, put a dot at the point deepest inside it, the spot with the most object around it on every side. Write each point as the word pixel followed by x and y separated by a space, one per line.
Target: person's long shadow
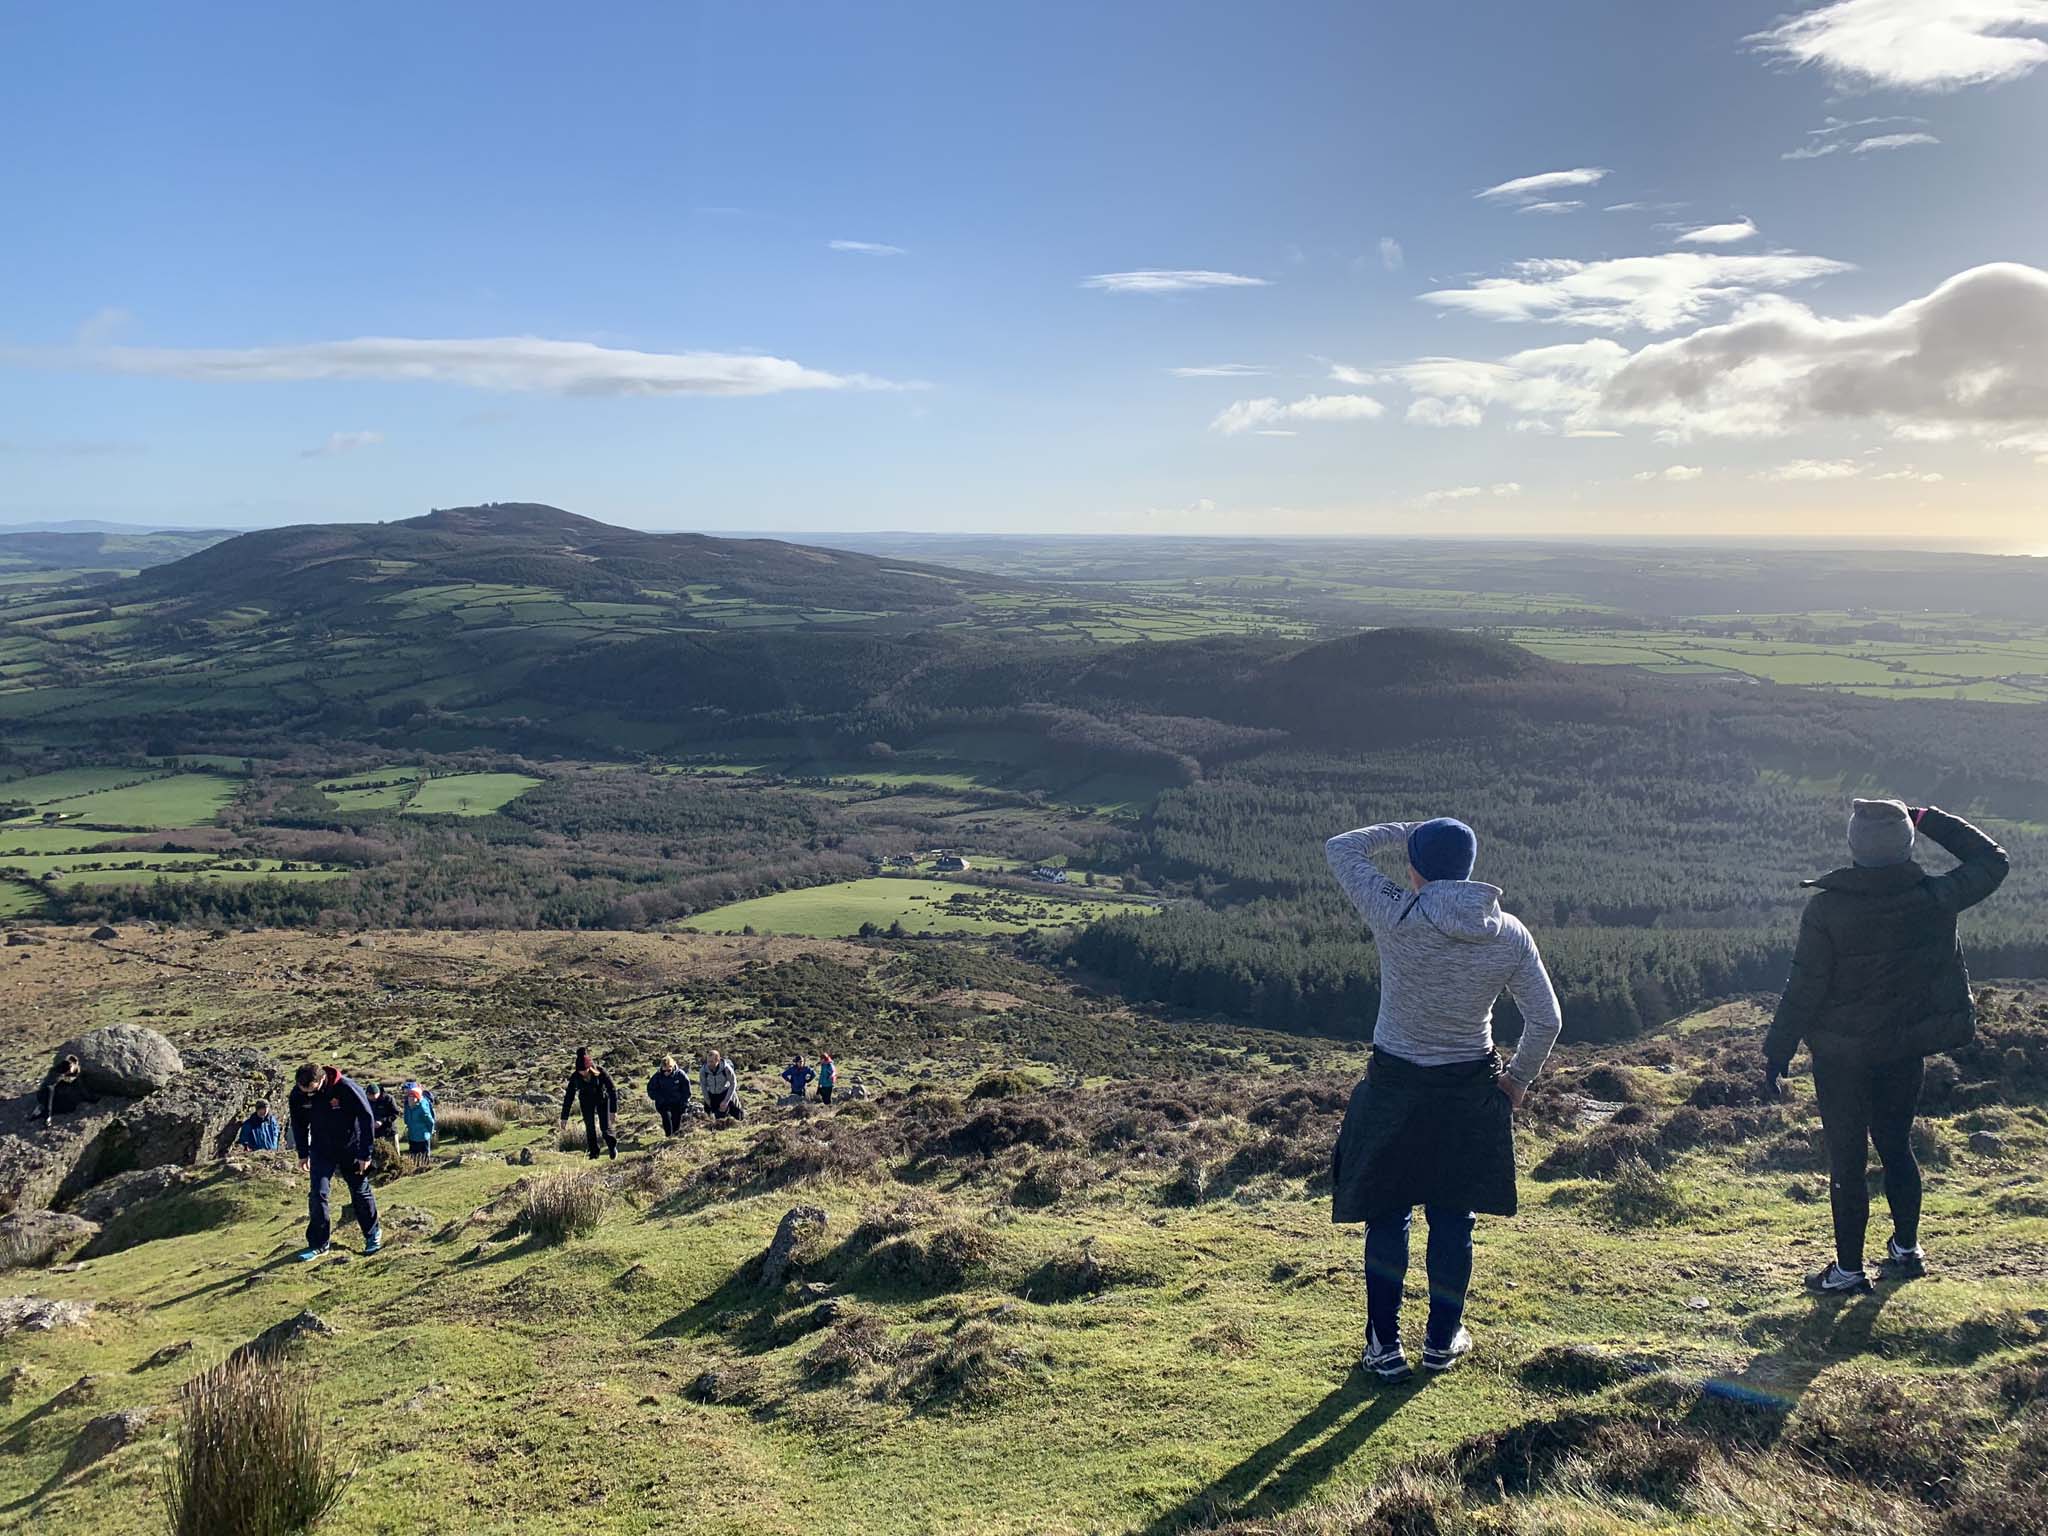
pixel 1280 1473
pixel 286 1259
pixel 1828 1333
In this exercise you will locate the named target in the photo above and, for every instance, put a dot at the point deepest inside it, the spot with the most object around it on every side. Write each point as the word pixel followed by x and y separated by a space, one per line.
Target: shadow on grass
pixel 1296 1463
pixel 287 1258
pixel 1829 1332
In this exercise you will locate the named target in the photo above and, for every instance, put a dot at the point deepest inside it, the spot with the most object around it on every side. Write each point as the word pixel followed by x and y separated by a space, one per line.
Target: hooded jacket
pixel 419 1117
pixel 331 1122
pixel 1878 975
pixel 1446 954
pixel 593 1090
pixel 719 1082
pixel 798 1076
pixel 258 1133
pixel 669 1090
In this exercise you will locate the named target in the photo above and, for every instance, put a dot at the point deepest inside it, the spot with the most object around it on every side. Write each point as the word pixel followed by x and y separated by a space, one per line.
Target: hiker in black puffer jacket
pixel 591 1088
pixel 669 1089
pixel 1878 985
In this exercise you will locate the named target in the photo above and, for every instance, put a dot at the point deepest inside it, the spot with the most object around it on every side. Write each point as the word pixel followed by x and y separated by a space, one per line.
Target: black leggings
pixel 671 1117
pixel 1861 1106
pixel 598 1122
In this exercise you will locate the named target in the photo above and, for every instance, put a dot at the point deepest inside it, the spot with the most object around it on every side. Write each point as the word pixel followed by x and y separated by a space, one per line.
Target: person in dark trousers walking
pixel 259 1132
pixel 828 1074
pixel 591 1087
pixel 62 1089
pixel 384 1111
pixel 669 1089
pixel 720 1081
pixel 798 1076
pixel 1878 985
pixel 1432 1124
pixel 333 1132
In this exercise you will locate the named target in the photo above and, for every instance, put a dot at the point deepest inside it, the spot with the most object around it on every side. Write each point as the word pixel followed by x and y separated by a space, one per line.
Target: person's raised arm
pixel 1983 863
pixel 1377 898
pixel 1542 1020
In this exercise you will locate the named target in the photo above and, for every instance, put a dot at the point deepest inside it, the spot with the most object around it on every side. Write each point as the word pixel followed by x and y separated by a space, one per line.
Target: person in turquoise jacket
pixel 419 1125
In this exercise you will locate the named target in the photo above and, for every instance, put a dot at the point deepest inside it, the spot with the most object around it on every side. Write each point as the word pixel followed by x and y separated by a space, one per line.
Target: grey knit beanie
pixel 1880 833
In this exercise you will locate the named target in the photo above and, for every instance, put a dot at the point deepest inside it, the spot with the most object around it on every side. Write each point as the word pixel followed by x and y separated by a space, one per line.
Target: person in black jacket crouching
pixel 1878 985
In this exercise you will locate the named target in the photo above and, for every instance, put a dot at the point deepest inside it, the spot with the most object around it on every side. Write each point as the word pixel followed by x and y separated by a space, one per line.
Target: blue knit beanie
pixel 1444 849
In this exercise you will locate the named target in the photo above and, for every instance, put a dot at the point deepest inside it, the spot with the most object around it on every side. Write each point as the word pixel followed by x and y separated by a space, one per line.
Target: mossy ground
pixel 1115 1360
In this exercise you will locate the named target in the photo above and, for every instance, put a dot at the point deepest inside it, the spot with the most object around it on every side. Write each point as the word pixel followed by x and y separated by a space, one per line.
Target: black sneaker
pixel 1837 1281
pixel 1903 1263
pixel 1434 1359
pixel 1389 1363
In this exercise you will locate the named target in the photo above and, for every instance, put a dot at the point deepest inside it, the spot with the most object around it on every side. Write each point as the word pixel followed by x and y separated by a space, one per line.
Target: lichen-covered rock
pixel 798 1229
pixel 126 1059
pixel 32 1238
pixel 279 1337
pixel 104 1435
pixel 40 1314
pixel 124 1191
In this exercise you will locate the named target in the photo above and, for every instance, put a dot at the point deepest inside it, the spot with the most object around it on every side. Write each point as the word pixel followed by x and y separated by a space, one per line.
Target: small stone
pixel 1698 1304
pixel 1987 1144
pixel 166 1355
pixel 105 1435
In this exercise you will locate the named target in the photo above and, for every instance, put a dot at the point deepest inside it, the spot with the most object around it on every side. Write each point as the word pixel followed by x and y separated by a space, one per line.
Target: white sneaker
pixel 1388 1362
pixel 1434 1359
pixel 1903 1263
pixel 1837 1281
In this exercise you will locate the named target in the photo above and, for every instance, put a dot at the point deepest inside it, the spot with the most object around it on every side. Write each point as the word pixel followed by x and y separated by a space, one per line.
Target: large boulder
pixel 124 1191
pixel 32 1238
pixel 125 1059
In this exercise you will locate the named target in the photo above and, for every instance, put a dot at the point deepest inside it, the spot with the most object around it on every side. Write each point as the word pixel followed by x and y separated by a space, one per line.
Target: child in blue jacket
pixel 419 1125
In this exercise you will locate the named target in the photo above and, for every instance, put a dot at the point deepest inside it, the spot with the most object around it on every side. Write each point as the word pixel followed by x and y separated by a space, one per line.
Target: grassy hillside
pixel 1031 1308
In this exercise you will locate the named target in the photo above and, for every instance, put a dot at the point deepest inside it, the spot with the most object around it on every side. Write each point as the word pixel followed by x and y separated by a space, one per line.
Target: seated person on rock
pixel 260 1132
pixel 62 1089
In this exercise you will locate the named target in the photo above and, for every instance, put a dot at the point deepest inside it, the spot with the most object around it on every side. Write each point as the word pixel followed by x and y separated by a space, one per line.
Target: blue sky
pixel 799 267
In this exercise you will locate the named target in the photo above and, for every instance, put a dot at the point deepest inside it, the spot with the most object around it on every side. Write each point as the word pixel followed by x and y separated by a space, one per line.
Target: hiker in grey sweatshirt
pixel 720 1081
pixel 1431 1124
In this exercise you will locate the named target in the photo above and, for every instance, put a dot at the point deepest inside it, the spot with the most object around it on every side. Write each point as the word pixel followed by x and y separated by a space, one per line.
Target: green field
pixel 46 789
pixel 62 839
pixel 179 800
pixel 920 905
pixel 380 789
pixel 468 794
pixel 18 900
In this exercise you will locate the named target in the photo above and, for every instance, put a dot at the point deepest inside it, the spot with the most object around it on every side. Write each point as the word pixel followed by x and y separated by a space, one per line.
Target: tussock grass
pixel 561 1206
pixel 462 1122
pixel 570 1138
pixel 250 1457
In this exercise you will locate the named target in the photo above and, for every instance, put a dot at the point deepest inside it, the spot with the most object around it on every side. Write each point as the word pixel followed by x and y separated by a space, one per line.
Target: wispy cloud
pixel 1435 411
pixel 1250 415
pixel 1916 45
pixel 1838 134
pixel 1643 207
pixel 1344 373
pixel 865 248
pixel 1391 255
pixel 1656 293
pixel 1501 488
pixel 1719 234
pixel 339 443
pixel 1542 186
pixel 508 363
pixel 1220 371
pixel 1675 472
pixel 1569 205
pixel 1163 280
pixel 1812 469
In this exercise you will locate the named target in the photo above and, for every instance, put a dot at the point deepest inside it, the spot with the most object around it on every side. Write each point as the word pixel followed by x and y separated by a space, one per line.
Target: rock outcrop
pixel 798 1229
pixel 104 1435
pixel 126 1059
pixel 40 1314
pixel 31 1238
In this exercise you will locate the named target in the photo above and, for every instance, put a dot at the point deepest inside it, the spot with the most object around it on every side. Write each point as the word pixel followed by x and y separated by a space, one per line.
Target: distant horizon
pixel 1632 272
pixel 830 538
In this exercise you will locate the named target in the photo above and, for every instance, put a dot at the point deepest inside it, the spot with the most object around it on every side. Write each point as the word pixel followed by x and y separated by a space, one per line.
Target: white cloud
pixel 1929 477
pixel 1432 411
pixel 1588 432
pixel 1642 207
pixel 1720 234
pixel 1813 469
pixel 1391 255
pixel 1245 415
pixel 1537 188
pixel 1220 371
pixel 1891 141
pixel 1504 488
pixel 866 248
pixel 339 443
pixel 1838 134
pixel 1344 373
pixel 103 325
pixel 517 363
pixel 1922 45
pixel 1675 472
pixel 1657 293
pixel 1968 359
pixel 1277 432
pixel 1157 280
pixel 1568 205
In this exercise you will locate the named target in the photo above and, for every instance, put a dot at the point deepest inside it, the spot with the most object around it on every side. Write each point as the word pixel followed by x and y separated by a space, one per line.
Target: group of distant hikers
pixel 1878 985
pixel 337 1125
